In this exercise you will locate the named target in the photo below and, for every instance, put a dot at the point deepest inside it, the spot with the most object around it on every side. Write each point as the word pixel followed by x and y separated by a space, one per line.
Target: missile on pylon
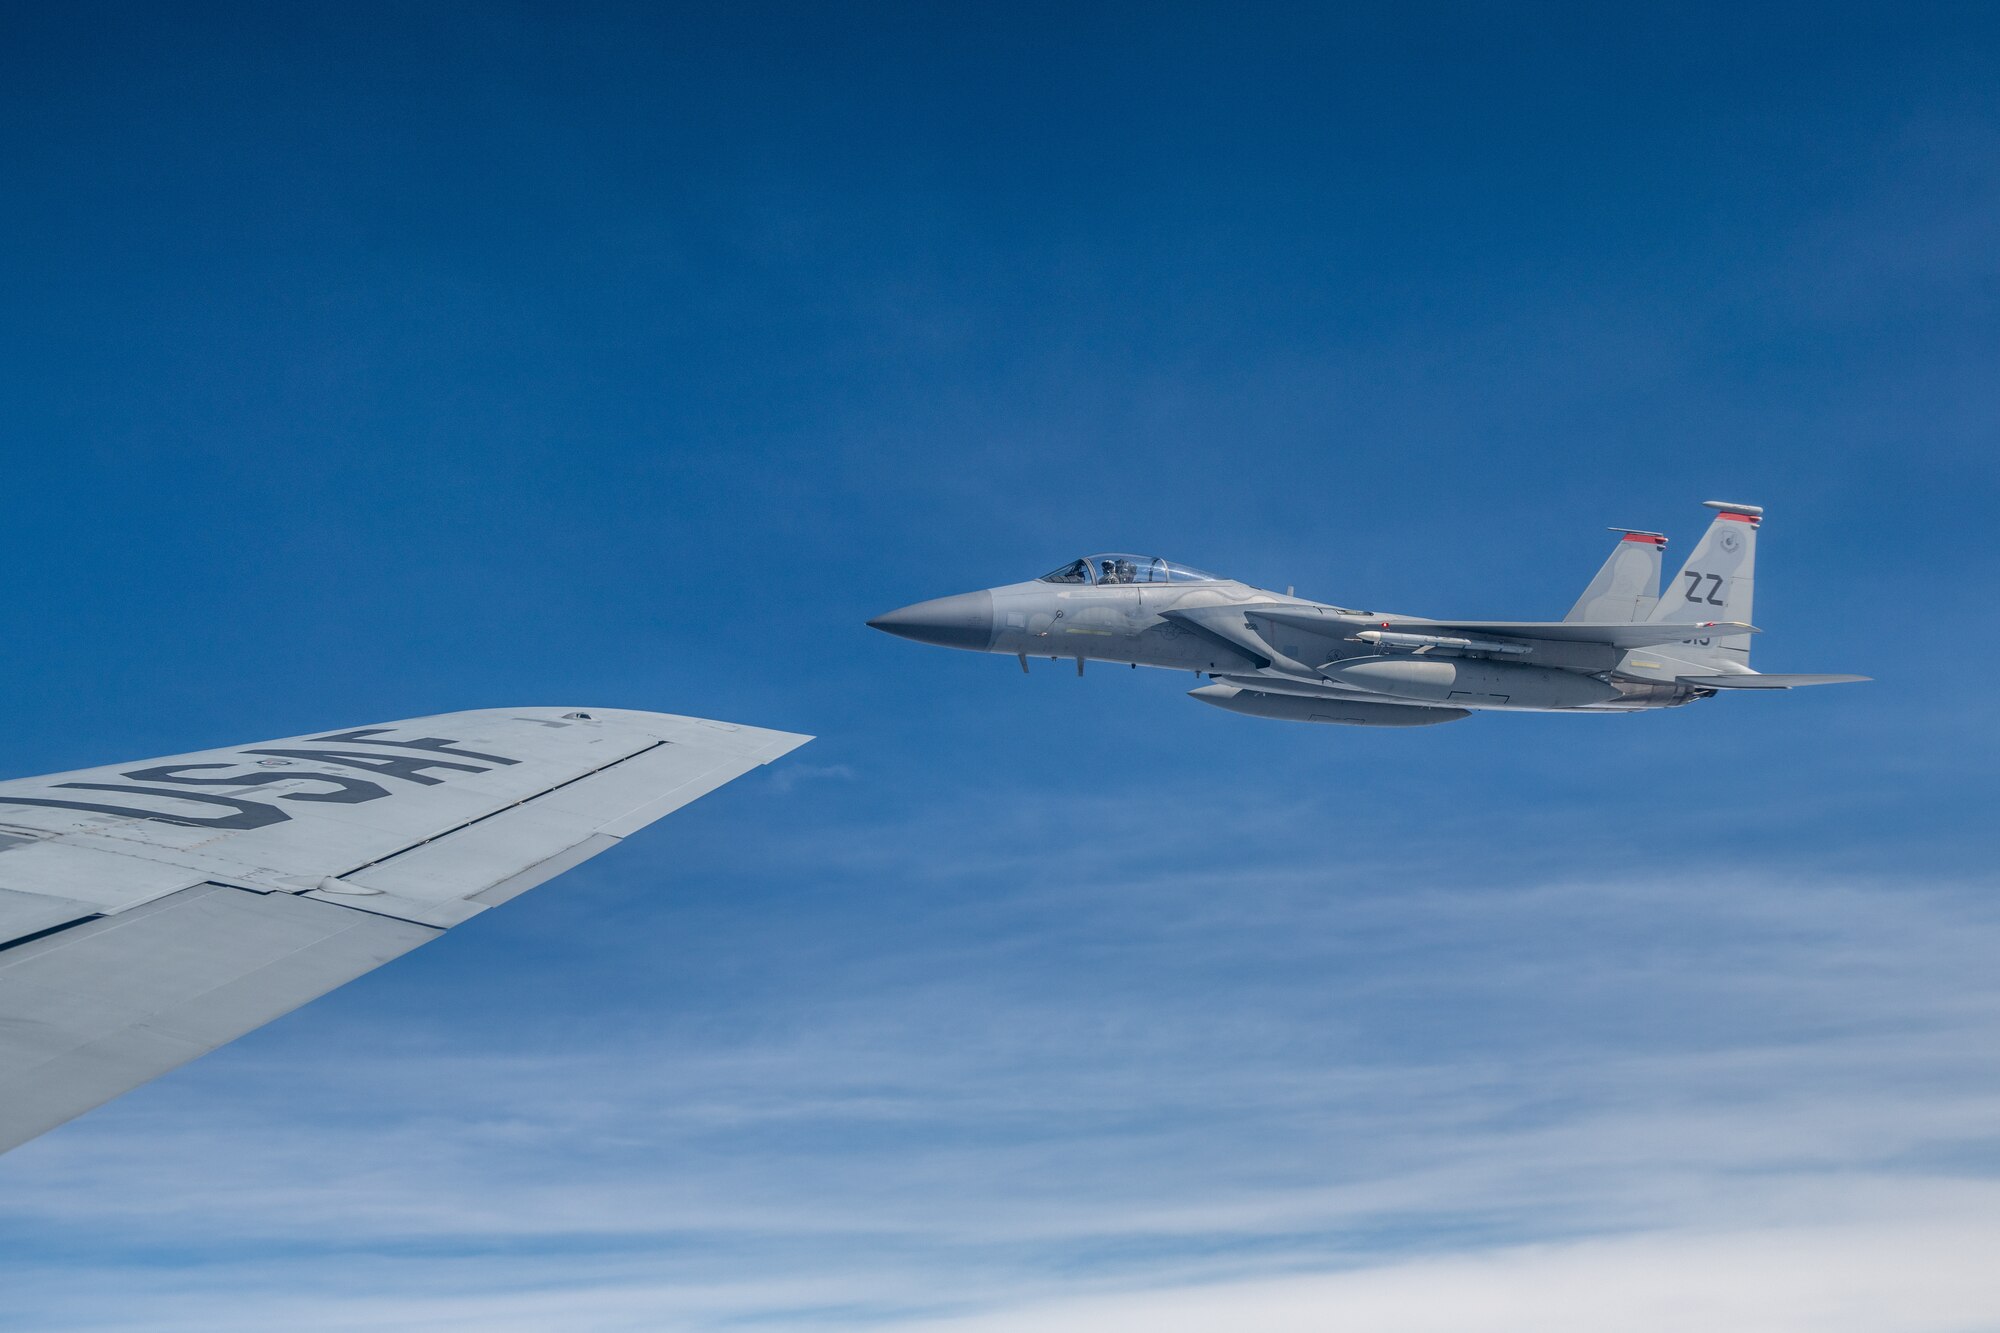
pixel 1425 643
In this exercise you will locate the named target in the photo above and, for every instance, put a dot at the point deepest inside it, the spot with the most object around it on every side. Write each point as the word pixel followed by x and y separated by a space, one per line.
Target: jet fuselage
pixel 1627 644
pixel 1147 612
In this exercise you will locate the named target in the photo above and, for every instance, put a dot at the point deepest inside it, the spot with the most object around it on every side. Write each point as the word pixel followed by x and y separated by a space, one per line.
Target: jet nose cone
pixel 964 621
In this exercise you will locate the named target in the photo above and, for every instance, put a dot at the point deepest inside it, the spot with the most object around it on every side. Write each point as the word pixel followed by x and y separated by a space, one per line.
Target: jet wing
pixel 1618 634
pixel 152 911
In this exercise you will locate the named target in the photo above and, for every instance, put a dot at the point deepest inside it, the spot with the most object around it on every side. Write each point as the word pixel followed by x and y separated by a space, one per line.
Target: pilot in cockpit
pixel 1123 570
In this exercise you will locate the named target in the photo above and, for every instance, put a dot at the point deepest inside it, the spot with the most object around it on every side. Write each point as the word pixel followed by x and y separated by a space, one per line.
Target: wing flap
pixel 92 1011
pixel 24 915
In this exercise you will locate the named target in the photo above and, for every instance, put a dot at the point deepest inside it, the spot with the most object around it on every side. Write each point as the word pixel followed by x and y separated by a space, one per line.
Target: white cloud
pixel 1909 1274
pixel 1229 1097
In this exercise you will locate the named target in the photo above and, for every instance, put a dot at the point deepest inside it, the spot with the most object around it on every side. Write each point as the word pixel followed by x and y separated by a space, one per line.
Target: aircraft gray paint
pixel 1625 646
pixel 151 911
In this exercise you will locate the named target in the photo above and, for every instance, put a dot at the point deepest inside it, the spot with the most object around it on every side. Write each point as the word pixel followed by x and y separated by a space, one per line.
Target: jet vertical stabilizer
pixel 1628 586
pixel 1716 584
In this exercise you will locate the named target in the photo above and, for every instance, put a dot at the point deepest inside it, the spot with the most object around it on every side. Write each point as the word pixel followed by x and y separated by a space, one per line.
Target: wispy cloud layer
pixel 1915 1271
pixel 1080 1098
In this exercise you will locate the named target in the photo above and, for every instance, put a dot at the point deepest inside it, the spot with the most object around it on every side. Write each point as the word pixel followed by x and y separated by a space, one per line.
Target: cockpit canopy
pixel 1114 568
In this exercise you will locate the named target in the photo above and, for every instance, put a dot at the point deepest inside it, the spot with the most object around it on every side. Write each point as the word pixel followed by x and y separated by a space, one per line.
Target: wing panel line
pixel 525 800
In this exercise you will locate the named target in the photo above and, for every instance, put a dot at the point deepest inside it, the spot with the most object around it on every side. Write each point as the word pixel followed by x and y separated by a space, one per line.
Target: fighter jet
pixel 151 911
pixel 1625 646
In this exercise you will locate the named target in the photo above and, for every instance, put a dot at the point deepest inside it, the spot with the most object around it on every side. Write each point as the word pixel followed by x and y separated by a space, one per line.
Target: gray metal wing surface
pixel 1613 635
pixel 152 911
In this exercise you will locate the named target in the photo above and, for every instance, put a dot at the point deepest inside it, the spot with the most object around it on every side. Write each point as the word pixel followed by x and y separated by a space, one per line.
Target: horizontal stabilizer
pixel 1764 681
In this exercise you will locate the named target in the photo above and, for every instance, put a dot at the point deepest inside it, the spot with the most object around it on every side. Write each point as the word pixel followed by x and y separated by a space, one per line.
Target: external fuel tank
pixel 1343 712
pixel 1451 680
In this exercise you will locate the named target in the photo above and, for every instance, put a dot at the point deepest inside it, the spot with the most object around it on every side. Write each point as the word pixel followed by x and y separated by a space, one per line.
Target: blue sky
pixel 367 364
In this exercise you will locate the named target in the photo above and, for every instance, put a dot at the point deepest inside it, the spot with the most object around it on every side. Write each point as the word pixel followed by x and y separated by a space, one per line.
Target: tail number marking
pixel 1694 588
